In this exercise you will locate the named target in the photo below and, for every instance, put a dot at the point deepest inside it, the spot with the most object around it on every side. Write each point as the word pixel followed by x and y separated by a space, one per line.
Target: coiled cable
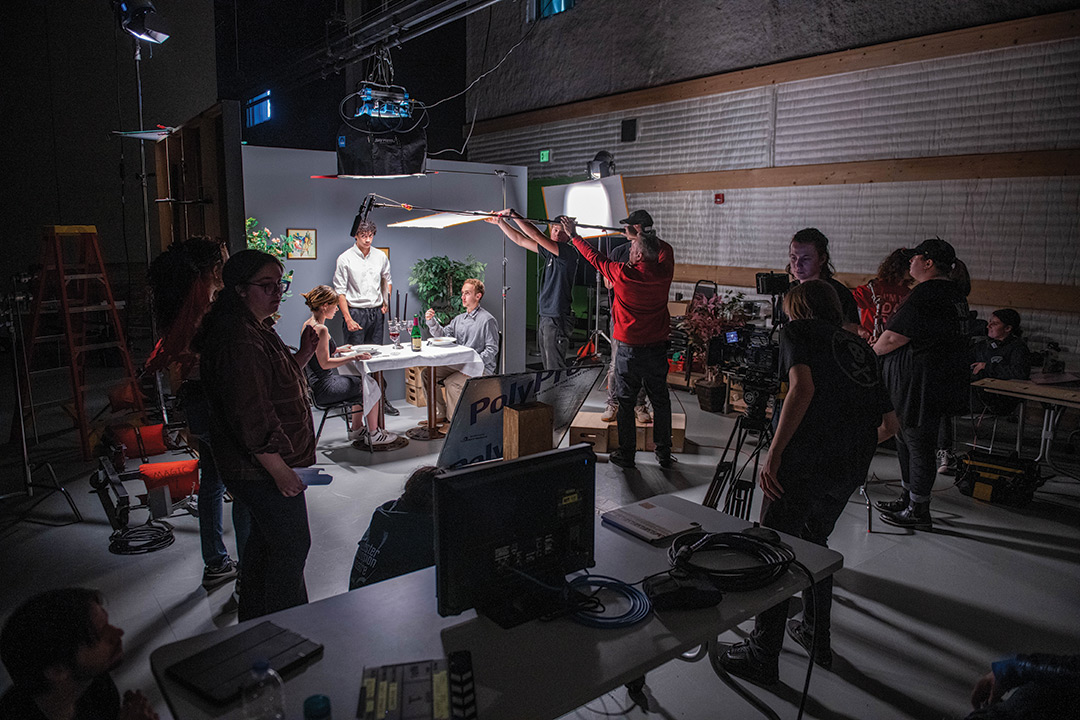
pixel 639 604
pixel 774 558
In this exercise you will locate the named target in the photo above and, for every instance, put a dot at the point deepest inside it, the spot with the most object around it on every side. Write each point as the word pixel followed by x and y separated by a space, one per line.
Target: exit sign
pixel 545 156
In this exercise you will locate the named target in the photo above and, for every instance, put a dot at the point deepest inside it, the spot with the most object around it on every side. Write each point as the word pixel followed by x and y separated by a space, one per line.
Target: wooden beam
pixel 994 293
pixel 1040 163
pixel 1026 31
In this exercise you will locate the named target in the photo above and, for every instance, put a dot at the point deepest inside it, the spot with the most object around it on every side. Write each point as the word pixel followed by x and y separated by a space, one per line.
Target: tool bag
pixel 1001 479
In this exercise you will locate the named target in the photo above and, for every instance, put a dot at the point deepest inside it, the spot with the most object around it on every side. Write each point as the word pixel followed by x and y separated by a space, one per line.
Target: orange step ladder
pixel 73 283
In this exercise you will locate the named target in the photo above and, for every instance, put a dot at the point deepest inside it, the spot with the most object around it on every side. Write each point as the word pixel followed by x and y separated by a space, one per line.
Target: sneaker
pixel 739 660
pixel 946 462
pixel 642 415
pixel 381 437
pixel 358 434
pixel 797 632
pixel 610 413
pixel 663 456
pixel 213 577
pixel 623 460
pixel 389 409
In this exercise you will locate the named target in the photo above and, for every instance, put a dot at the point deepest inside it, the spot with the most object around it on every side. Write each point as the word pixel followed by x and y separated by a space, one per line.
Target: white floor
pixel 918 617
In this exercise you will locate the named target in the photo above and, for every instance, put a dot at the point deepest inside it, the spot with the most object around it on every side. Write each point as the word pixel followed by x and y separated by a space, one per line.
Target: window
pixel 258 109
pixel 547 8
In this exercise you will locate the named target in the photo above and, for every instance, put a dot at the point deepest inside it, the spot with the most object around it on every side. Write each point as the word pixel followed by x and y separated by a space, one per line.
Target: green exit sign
pixel 545 156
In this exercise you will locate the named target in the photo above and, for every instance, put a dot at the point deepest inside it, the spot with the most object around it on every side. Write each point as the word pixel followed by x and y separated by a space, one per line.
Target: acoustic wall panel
pixel 724 132
pixel 1015 99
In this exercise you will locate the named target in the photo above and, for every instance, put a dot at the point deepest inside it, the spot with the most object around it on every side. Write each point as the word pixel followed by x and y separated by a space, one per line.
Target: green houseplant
pixel 438 283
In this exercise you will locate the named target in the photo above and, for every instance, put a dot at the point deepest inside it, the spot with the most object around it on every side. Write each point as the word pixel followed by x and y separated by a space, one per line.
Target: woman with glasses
pixel 327 385
pixel 260 426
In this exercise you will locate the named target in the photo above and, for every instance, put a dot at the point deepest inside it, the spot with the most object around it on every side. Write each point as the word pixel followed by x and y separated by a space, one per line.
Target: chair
pixel 341 409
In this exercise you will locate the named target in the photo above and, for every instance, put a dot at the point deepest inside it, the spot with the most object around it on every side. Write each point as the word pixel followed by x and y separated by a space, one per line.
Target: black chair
pixel 341 409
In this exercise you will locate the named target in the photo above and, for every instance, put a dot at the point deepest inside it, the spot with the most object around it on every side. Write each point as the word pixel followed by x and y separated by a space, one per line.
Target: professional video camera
pixel 753 356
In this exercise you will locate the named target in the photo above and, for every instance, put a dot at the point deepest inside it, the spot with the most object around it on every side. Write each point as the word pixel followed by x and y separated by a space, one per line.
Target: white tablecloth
pixel 430 356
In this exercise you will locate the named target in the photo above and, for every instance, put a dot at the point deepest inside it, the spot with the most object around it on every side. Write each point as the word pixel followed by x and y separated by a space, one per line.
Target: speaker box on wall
pixel 381 146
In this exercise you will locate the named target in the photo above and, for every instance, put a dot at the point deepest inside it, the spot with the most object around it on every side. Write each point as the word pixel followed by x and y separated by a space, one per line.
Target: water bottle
pixel 264 693
pixel 317 707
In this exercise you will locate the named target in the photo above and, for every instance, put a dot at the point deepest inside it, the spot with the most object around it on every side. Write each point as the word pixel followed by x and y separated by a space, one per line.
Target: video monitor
pixel 508 532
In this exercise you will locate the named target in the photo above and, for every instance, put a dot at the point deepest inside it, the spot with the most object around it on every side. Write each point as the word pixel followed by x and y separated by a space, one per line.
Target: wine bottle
pixel 416 337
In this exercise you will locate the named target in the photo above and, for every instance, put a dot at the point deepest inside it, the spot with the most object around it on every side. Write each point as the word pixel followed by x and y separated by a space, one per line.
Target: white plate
pixel 442 341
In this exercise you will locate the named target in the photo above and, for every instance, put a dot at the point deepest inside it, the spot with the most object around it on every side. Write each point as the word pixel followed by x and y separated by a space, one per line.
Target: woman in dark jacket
pixel 260 427
pixel 926 368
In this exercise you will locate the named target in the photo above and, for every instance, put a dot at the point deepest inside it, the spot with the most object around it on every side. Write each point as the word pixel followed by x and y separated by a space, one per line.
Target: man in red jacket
pixel 641 326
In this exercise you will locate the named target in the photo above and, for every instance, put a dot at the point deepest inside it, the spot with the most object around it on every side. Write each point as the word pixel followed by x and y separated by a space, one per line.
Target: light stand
pixel 11 319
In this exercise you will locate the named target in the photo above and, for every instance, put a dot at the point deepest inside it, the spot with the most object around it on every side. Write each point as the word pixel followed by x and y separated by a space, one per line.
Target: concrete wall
pixel 601 47
pixel 280 193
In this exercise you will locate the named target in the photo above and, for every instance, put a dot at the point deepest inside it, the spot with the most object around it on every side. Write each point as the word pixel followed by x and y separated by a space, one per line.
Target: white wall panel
pixel 1024 98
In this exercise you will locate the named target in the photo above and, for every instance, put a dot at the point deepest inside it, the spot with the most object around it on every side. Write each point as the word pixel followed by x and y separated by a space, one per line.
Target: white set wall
pixel 1013 229
pixel 280 192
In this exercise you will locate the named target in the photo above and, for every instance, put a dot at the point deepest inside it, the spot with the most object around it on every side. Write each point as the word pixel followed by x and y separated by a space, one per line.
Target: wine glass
pixel 395 333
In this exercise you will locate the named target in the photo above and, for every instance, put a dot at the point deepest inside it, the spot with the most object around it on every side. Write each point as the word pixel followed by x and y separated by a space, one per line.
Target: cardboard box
pixel 526 429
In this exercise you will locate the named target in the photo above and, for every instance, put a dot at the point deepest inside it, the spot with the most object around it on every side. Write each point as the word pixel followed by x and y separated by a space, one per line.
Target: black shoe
pixel 389 409
pixel 663 456
pixel 797 632
pixel 739 661
pixel 915 516
pixel 895 505
pixel 623 460
pixel 213 577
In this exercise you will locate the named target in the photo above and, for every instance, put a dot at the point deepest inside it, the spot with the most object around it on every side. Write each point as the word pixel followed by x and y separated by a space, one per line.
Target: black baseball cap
pixel 638 217
pixel 941 252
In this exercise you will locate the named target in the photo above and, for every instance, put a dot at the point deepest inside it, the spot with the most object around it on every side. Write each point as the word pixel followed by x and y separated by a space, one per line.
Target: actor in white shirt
pixel 362 282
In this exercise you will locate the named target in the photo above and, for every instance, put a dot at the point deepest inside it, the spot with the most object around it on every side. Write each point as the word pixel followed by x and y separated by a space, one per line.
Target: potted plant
pixel 705 319
pixel 438 283
pixel 278 246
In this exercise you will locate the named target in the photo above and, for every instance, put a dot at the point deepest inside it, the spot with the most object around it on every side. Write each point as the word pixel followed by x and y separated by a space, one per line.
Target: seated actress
pixel 327 385
pixel 401 536
pixel 475 328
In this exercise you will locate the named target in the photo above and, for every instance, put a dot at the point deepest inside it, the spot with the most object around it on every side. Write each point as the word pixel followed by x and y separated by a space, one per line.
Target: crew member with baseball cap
pixel 926 368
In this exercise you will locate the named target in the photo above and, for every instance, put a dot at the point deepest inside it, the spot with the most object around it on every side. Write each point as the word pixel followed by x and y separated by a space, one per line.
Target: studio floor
pixel 917 618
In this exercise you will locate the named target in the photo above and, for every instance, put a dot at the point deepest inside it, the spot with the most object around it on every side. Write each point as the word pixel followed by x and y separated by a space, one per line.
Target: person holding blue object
pixel 1043 686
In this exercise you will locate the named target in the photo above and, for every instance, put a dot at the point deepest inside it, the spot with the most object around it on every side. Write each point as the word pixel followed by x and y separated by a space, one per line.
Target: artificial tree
pixel 438 283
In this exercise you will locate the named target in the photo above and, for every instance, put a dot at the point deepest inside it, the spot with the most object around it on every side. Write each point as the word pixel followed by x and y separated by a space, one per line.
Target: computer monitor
pixel 506 529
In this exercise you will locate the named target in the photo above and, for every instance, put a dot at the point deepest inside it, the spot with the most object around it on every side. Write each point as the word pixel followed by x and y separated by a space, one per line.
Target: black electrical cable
pixel 774 558
pixel 146 538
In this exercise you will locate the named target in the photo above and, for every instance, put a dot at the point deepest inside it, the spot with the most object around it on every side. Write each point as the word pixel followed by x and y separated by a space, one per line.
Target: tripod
pixel 740 492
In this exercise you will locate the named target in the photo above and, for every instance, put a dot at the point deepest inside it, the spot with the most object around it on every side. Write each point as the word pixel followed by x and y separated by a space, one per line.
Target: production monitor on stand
pixel 508 532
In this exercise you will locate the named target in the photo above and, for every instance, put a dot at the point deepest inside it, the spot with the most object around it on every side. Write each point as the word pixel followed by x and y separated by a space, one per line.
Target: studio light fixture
pixel 602 166
pixel 131 14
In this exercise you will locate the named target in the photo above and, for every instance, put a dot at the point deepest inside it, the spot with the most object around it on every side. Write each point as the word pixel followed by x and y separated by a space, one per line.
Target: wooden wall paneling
pixel 1043 28
pixel 1040 163
pixel 200 178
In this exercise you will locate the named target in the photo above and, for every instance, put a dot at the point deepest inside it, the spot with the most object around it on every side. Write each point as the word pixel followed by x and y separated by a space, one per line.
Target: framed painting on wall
pixel 385 250
pixel 307 250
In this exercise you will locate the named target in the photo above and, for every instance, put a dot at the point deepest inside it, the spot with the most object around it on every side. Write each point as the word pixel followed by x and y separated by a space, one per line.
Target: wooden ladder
pixel 73 282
